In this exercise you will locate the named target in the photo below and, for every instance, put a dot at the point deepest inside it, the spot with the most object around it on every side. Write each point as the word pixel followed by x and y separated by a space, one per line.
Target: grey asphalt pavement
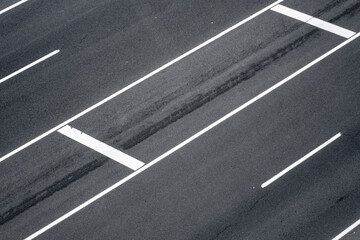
pixel 211 187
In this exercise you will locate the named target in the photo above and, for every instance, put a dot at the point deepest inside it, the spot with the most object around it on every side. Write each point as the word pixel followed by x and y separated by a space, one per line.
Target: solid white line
pixel 138 81
pixel 192 138
pixel 313 21
pixel 101 147
pixel 301 160
pixel 12 6
pixel 346 231
pixel 29 66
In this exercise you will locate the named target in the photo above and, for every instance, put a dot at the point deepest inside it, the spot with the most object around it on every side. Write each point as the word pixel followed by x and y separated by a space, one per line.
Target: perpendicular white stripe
pixel 347 230
pixel 301 160
pixel 137 82
pixel 101 147
pixel 29 66
pixel 313 21
pixel 331 27
pixel 291 13
pixel 187 141
pixel 12 6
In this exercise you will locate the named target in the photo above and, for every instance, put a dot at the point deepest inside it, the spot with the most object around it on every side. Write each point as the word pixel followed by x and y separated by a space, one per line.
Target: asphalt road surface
pixel 244 115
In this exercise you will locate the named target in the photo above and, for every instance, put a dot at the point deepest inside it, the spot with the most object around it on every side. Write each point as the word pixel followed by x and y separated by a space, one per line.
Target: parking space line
pixel 29 66
pixel 228 30
pixel 101 147
pixel 301 160
pixel 347 230
pixel 187 141
pixel 313 21
pixel 12 6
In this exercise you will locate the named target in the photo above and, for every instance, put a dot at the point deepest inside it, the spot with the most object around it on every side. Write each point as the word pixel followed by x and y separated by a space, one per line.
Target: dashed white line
pixel 29 66
pixel 301 160
pixel 192 138
pixel 101 147
pixel 313 21
pixel 12 6
pixel 347 230
pixel 138 81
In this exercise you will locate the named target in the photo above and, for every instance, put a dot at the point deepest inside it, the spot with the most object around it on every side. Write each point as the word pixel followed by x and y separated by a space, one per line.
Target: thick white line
pixel 29 66
pixel 313 21
pixel 192 138
pixel 138 81
pixel 346 231
pixel 12 6
pixel 101 147
pixel 301 160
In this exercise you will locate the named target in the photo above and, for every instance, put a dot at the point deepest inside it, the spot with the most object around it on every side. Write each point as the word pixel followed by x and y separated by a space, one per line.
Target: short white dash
pixel 313 21
pixel 101 147
pixel 346 231
pixel 301 160
pixel 12 6
pixel 29 66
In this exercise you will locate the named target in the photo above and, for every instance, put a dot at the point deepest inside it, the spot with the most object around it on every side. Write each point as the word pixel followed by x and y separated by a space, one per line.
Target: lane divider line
pixel 192 138
pixel 313 21
pixel 301 160
pixel 12 6
pixel 346 231
pixel 29 65
pixel 101 147
pixel 138 81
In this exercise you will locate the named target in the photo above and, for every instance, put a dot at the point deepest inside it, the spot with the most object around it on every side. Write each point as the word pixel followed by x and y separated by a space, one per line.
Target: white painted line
pixel 301 160
pixel 331 27
pixel 12 6
pixel 346 231
pixel 313 21
pixel 192 138
pixel 291 13
pixel 29 66
pixel 138 81
pixel 101 147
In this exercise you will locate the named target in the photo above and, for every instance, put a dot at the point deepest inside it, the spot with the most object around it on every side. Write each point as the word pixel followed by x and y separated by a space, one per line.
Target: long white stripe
pixel 313 21
pixel 12 6
pixel 101 147
pixel 301 160
pixel 29 66
pixel 192 138
pixel 138 81
pixel 346 231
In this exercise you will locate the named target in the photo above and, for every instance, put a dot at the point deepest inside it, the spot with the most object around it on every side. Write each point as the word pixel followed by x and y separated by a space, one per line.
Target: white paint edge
pixel 12 6
pixel 301 160
pixel 29 66
pixel 101 147
pixel 313 21
pixel 137 82
pixel 182 144
pixel 347 230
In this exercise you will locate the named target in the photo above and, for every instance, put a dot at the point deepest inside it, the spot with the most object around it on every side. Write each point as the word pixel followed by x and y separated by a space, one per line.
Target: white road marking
pixel 12 6
pixel 29 66
pixel 313 21
pixel 138 81
pixel 101 147
pixel 301 160
pixel 346 231
pixel 192 138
